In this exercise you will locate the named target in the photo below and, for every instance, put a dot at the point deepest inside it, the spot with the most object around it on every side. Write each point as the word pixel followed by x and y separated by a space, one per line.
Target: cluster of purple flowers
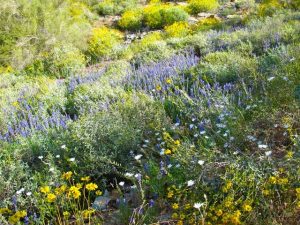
pixel 25 120
pixel 149 77
pixel 89 78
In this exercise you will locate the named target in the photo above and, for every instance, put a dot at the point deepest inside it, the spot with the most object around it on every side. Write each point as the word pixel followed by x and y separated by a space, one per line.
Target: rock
pixel 233 16
pixel 102 202
pixel 192 20
pixel 203 14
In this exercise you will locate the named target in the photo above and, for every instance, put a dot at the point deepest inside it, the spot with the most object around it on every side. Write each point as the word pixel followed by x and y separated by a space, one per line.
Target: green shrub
pixel 197 6
pixel 109 136
pixel 29 29
pixel 153 17
pixel 177 29
pixel 105 8
pixel 173 14
pixel 102 42
pixel 158 16
pixel 131 20
pixel 227 67
pixel 113 7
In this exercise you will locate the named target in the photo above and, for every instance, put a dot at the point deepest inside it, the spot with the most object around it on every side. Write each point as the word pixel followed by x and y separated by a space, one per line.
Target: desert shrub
pixel 152 53
pixel 177 29
pixel 227 67
pixel 108 137
pixel 173 14
pixel 152 16
pixel 131 20
pixel 207 24
pixel 30 29
pixel 113 7
pixel 15 175
pixel 62 61
pixel 197 6
pixel 269 7
pixel 105 8
pixel 102 42
pixel 158 16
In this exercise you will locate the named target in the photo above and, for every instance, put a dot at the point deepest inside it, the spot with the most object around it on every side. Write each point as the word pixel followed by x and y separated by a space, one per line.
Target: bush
pixel 63 60
pixel 207 24
pixel 110 136
pixel 131 20
pixel 105 8
pixel 269 7
pixel 153 17
pixel 29 29
pixel 158 16
pixel 173 14
pixel 227 67
pixel 197 6
pixel 178 29
pixel 113 7
pixel 102 42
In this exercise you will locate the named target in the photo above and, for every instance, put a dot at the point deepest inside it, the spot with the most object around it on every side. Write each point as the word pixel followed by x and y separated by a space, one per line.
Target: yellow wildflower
pixel 272 180
pixel 219 212
pixel 13 219
pixel 187 206
pixel 45 189
pixel 174 216
pixel 67 175
pixel 266 192
pixel 177 142
pixel 182 216
pixel 168 81
pixel 158 88
pixel 16 217
pixel 235 218
pixel 175 206
pixel 86 179
pixel 168 151
pixel 74 192
pixel 170 194
pixel 98 192
pixel 289 155
pixel 87 213
pixel 298 192
pixel 247 208
pixel 91 186
pixel 21 214
pixel 61 189
pixel 51 198
pixel 4 211
pixel 179 222
pixel 283 181
pixel 79 185
pixel 66 214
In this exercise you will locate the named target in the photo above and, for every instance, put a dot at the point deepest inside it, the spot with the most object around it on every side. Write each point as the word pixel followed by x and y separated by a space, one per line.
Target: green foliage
pixel 103 41
pixel 131 20
pixel 158 16
pixel 113 7
pixel 30 29
pixel 177 29
pixel 110 136
pixel 197 6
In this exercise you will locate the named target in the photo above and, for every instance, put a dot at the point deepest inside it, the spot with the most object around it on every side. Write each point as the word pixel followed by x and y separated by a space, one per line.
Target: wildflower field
pixel 136 112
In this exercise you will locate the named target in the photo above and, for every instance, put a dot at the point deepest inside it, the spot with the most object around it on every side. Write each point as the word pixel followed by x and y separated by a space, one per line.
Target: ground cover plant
pixel 149 112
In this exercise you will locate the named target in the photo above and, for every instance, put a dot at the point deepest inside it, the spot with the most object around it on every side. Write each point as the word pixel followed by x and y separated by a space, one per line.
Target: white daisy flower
pixel 200 162
pixel 190 183
pixel 138 157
